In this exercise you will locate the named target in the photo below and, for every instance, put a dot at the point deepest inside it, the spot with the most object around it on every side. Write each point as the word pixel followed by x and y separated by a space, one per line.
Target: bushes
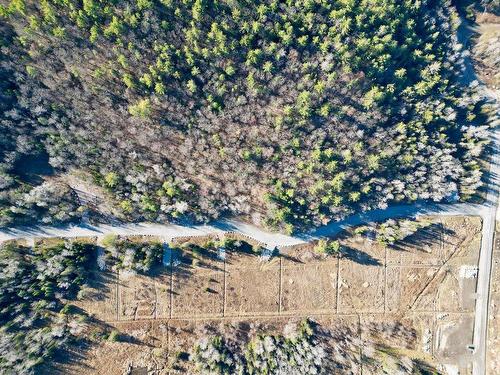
pixel 34 322
pixel 266 354
pixel 211 356
pixel 391 231
pixel 141 109
pixel 114 336
pixel 306 348
pixel 51 202
pixel 130 256
pixel 301 354
pixel 328 247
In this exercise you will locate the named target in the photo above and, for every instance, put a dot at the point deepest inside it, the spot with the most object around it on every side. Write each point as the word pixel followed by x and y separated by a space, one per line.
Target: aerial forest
pixel 288 113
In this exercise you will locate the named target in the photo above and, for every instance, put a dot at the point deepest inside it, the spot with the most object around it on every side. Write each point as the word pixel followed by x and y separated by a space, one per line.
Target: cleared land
pixel 425 286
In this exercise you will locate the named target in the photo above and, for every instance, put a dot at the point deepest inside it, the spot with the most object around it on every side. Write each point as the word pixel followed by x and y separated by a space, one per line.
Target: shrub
pixel 130 256
pixel 211 356
pixel 328 247
pixel 141 109
pixel 114 336
pixel 35 318
pixel 392 231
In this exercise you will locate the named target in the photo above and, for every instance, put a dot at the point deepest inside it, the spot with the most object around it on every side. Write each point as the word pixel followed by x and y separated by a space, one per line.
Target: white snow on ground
pixel 451 370
pixel 468 272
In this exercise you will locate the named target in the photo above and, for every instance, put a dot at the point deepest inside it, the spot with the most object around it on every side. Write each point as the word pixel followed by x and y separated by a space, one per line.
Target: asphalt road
pixel 489 215
pixel 269 239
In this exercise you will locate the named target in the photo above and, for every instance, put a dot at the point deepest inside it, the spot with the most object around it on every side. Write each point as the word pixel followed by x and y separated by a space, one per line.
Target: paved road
pixel 488 214
pixel 485 259
pixel 487 211
pixel 270 239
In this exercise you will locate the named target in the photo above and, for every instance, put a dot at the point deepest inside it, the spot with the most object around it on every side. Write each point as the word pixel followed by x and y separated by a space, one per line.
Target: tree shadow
pixel 187 259
pixel 290 258
pixel 359 256
pixel 423 237
pixel 74 352
pixel 418 366
pixel 97 280
pixel 371 351
pixel 33 168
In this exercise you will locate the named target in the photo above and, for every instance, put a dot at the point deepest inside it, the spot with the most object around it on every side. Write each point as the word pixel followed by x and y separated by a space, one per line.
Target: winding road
pixel 487 211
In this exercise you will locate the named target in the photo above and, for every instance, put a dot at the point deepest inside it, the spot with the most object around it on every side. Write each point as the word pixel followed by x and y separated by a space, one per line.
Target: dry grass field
pixel 417 296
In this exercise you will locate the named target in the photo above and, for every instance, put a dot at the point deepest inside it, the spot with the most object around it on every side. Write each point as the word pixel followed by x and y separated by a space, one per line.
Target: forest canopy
pixel 36 318
pixel 292 113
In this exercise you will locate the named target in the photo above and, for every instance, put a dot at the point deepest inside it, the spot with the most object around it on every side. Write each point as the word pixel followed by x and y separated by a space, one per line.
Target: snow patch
pixel 468 272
